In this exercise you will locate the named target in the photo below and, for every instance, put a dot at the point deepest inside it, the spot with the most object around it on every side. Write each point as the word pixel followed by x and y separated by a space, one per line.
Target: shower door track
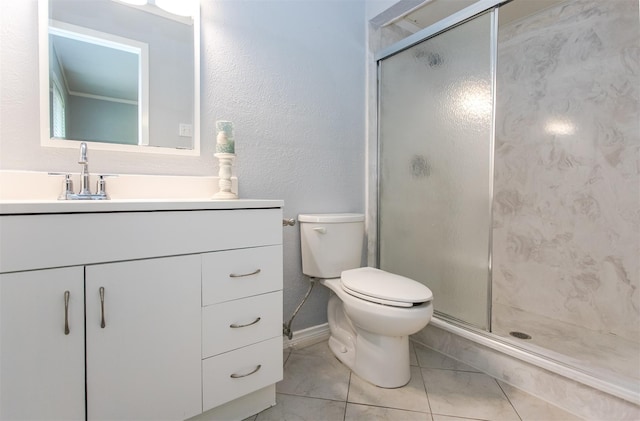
pixel 443 25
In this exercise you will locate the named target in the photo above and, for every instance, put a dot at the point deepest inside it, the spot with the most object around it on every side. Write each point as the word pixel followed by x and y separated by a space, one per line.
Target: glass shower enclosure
pixel 435 163
pixel 508 177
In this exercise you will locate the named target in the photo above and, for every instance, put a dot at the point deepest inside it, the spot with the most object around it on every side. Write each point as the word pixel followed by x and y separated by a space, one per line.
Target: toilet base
pixel 342 340
pixel 380 360
pixel 383 362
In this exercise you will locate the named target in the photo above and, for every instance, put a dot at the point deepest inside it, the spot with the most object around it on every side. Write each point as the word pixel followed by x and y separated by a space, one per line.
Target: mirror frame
pixel 47 141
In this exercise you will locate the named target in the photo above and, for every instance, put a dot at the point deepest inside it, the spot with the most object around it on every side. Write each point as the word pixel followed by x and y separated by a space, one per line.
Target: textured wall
pixel 289 74
pixel 567 185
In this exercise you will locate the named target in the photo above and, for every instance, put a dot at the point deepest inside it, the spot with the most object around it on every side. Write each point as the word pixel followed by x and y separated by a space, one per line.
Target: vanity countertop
pixel 18 207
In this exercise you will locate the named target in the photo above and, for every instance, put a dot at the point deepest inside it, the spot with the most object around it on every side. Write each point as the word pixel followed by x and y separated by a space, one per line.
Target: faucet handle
pixel 67 187
pixel 101 185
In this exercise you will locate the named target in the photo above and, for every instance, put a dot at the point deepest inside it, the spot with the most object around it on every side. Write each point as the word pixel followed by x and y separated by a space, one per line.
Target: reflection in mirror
pixel 122 77
pixel 98 86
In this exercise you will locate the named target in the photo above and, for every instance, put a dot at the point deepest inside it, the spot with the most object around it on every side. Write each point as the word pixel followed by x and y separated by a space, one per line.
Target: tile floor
pixel 317 387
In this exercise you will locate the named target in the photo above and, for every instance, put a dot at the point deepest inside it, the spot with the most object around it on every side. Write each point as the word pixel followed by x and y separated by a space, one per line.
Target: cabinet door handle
pixel 239 376
pixel 67 295
pixel 102 323
pixel 236 326
pixel 235 275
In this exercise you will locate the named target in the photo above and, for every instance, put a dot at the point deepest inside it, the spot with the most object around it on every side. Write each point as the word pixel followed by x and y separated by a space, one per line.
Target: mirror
pixel 119 77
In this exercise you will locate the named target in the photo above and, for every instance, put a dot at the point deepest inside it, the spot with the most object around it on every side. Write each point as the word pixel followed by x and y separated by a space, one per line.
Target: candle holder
pixel 225 152
pixel 225 161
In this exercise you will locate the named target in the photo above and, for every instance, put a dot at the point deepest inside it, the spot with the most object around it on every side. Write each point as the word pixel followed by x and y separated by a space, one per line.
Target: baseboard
pixel 242 407
pixel 306 337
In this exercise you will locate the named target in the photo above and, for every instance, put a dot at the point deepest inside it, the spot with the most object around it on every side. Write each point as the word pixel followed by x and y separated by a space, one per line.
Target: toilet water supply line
pixel 286 327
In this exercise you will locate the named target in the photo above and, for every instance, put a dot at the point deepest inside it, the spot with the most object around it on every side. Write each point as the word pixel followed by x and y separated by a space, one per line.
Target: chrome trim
pixel 237 326
pixel 492 150
pixel 102 321
pixel 242 275
pixel 84 176
pixel 67 295
pixel 239 376
pixel 443 25
pixel 378 154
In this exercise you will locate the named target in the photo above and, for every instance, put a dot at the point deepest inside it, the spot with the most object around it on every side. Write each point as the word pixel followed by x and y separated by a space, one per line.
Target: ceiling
pixel 95 70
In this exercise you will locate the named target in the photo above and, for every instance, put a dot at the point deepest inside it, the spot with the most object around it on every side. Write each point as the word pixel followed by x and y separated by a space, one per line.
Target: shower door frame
pixel 450 22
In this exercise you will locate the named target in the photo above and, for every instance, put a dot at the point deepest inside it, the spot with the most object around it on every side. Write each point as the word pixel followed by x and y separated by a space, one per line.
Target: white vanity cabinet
pixel 241 322
pixel 41 366
pixel 182 310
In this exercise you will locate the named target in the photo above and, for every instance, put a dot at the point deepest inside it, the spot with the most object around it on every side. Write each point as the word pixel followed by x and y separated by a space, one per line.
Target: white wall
pixel 289 74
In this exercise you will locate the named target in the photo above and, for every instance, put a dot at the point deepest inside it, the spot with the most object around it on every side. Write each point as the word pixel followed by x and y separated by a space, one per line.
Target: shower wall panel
pixel 566 237
pixel 435 139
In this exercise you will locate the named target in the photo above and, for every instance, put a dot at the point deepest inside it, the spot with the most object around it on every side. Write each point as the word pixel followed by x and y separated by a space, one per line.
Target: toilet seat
pixel 385 288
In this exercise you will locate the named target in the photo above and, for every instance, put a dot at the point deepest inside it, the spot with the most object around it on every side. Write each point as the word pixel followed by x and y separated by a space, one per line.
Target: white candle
pixel 224 138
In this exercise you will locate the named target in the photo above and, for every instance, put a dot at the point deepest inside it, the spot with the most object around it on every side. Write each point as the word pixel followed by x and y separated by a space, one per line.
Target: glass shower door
pixel 435 166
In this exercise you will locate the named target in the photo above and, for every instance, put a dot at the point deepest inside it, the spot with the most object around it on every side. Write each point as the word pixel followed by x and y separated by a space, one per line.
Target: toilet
pixel 371 313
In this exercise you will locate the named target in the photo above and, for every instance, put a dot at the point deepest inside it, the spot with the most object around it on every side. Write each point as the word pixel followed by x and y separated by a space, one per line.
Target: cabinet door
pixel 41 366
pixel 143 339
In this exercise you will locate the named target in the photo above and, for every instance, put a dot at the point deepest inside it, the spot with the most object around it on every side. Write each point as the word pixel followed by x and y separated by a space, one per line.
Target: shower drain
pixel 520 335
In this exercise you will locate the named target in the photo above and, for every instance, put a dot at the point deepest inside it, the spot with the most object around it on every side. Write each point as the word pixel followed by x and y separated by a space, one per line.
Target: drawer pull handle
pixel 67 294
pixel 239 376
pixel 242 275
pixel 102 322
pixel 235 326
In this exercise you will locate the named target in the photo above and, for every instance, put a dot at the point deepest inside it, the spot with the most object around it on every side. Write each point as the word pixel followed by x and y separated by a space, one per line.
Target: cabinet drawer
pixel 238 323
pixel 252 368
pixel 233 274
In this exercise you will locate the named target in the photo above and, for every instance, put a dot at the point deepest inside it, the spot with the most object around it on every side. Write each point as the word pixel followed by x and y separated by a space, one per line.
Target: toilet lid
pixel 331 218
pixel 383 287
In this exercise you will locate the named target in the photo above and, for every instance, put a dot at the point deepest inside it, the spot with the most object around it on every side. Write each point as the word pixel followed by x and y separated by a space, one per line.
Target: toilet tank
pixel 331 243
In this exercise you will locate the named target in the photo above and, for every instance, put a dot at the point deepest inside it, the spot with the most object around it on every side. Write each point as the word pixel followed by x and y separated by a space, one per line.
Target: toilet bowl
pixel 371 313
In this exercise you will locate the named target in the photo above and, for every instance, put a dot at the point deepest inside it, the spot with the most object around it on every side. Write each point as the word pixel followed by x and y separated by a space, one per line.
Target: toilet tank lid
pixel 331 218
pixel 384 285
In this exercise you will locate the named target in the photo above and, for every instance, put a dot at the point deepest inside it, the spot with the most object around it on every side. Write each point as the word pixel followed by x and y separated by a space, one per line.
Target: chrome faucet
pixel 85 190
pixel 84 175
